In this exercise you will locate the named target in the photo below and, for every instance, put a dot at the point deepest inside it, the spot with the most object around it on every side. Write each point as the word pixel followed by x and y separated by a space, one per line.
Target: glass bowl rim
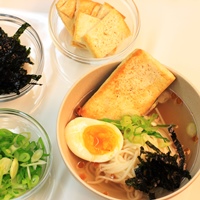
pixel 48 168
pixel 31 31
pixel 92 60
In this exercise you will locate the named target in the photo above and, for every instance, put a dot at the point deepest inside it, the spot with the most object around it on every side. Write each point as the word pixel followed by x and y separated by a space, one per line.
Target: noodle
pixel 118 169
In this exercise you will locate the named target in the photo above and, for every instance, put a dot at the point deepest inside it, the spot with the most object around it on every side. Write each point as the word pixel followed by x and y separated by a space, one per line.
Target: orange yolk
pixel 100 139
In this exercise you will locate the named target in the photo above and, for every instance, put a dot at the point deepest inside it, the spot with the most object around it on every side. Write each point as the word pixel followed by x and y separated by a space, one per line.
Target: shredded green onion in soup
pixel 139 129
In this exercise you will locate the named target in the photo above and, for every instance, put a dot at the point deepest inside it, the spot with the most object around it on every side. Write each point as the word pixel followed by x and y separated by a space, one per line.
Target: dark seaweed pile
pixel 158 169
pixel 13 56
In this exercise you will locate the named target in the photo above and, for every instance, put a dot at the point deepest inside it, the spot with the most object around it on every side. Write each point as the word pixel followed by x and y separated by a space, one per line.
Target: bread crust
pixel 132 88
pixel 67 7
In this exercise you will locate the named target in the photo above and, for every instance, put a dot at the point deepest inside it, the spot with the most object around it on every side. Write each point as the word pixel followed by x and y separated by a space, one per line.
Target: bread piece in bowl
pixel 132 88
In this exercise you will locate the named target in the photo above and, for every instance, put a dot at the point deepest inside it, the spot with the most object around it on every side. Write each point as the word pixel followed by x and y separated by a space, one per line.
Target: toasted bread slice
pixel 85 6
pixel 96 10
pixel 66 10
pixel 60 3
pixel 81 27
pixel 132 88
pixel 104 10
pixel 67 7
pixel 103 38
pixel 68 22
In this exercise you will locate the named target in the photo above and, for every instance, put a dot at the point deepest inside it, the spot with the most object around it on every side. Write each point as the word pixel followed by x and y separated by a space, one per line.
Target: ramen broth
pixel 173 111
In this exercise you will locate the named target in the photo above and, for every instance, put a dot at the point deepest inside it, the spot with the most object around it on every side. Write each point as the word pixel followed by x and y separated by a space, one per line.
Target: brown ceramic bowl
pixel 90 82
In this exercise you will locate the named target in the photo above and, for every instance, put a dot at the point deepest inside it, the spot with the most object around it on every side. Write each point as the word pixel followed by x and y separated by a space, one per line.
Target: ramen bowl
pixel 30 39
pixel 63 40
pixel 29 137
pixel 181 114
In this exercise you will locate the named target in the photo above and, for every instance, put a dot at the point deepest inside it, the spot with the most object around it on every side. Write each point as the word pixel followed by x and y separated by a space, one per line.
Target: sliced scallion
pixel 22 162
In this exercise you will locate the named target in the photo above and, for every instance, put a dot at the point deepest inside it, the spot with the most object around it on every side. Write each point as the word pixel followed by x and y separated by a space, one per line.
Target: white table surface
pixel 170 31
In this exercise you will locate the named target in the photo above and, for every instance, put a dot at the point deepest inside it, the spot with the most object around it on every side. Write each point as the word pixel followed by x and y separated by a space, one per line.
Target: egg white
pixel 74 138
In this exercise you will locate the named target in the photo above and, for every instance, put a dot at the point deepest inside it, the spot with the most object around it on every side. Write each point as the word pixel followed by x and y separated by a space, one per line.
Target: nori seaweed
pixel 159 169
pixel 13 56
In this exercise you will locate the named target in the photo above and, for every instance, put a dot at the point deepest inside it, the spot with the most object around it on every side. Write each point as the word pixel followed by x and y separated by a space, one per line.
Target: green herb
pixel 135 127
pixel 158 169
pixel 13 56
pixel 21 163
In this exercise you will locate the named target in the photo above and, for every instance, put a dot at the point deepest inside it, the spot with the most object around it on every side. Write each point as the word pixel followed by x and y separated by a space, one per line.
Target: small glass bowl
pixel 17 122
pixel 62 39
pixel 10 24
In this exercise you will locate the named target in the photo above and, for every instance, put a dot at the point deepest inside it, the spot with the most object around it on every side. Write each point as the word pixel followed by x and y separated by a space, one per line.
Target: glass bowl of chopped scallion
pixel 21 57
pixel 25 155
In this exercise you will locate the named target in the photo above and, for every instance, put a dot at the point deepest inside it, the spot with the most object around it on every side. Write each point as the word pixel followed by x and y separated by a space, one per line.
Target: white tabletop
pixel 170 31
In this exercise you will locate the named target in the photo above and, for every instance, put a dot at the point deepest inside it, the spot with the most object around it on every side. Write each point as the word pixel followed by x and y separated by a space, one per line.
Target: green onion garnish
pixel 135 127
pixel 21 163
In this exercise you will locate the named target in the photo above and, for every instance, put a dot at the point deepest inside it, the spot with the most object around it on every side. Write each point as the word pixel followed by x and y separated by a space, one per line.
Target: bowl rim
pixel 47 171
pixel 92 60
pixel 87 186
pixel 31 31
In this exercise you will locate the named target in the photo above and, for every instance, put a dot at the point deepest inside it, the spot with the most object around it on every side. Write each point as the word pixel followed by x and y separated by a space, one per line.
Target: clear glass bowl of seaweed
pixel 21 57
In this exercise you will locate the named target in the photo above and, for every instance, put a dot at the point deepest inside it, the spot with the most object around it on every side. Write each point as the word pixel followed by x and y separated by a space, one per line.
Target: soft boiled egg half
pixel 93 140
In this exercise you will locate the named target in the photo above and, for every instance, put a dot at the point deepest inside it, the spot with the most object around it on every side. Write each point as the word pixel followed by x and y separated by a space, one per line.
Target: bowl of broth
pixel 182 108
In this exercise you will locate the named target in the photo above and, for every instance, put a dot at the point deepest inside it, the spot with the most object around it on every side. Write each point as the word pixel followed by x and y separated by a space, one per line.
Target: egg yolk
pixel 100 139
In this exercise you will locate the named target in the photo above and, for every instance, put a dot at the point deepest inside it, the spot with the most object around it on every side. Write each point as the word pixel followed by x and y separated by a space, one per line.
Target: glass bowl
pixel 62 39
pixel 20 122
pixel 29 38
pixel 87 85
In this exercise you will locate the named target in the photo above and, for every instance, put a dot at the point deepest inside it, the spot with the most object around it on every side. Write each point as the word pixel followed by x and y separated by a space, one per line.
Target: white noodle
pixel 118 169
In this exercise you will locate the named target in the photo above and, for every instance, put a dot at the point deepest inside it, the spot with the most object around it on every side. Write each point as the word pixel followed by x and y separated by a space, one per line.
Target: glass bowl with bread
pixel 94 31
pixel 21 58
pixel 129 130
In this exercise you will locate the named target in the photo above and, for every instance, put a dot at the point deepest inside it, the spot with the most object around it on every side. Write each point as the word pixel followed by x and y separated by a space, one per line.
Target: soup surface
pixel 173 111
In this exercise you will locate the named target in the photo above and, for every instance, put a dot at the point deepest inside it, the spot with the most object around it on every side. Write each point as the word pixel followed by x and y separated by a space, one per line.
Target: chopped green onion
pixel 191 129
pixel 135 127
pixel 14 168
pixel 40 162
pixel 5 164
pixel 24 157
pixel 22 162
pixel 34 181
pixel 36 155
pixel 40 144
